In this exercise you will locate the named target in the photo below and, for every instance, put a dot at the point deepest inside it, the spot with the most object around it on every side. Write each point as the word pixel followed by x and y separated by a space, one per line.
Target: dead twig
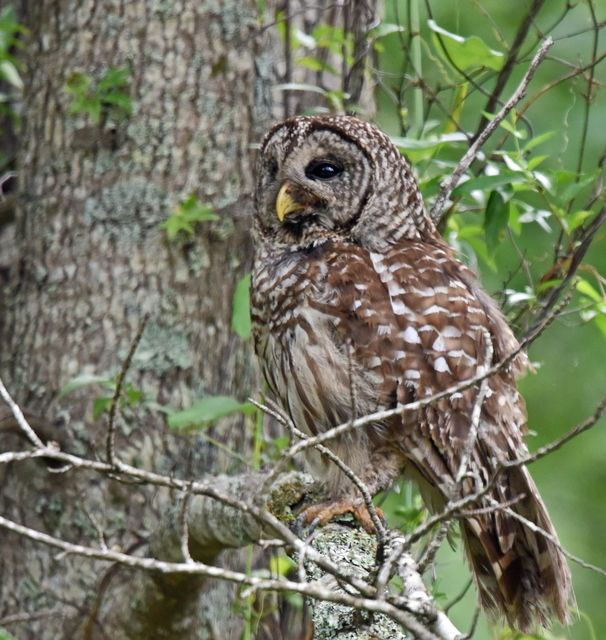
pixel 111 416
pixel 464 163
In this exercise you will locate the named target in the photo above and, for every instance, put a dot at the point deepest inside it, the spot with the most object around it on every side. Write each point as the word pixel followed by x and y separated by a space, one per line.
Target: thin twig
pixel 475 413
pixel 111 430
pixel 184 537
pixel 433 547
pixel 19 417
pixel 553 539
pixel 447 186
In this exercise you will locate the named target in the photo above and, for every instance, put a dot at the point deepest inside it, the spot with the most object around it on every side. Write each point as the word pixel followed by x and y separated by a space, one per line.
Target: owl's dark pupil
pixel 322 170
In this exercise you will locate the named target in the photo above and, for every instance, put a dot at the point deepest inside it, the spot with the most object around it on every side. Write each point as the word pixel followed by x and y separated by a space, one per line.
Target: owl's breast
pixel 307 359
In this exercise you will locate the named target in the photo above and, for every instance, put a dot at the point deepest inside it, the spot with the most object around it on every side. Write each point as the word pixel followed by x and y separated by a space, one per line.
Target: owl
pixel 358 305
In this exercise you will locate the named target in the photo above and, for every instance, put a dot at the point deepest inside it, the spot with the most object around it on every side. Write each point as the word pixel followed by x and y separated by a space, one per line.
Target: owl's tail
pixel 517 563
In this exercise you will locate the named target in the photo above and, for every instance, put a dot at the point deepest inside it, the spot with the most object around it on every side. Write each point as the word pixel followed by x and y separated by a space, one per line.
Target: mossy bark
pixel 91 260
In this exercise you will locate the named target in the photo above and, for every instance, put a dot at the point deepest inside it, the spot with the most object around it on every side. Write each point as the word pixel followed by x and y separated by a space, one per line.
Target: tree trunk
pixel 92 261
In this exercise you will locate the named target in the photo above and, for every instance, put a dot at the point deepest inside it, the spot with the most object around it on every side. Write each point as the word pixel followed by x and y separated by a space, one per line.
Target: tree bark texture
pixel 91 261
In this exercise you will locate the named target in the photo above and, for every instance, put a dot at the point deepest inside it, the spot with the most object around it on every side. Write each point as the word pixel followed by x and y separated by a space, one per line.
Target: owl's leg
pixel 377 474
pixel 325 511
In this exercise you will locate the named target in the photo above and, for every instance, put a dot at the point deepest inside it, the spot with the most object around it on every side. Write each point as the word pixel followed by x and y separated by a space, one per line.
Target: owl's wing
pixel 418 321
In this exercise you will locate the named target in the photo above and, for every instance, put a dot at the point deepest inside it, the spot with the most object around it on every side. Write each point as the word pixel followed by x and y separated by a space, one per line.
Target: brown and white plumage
pixel 352 284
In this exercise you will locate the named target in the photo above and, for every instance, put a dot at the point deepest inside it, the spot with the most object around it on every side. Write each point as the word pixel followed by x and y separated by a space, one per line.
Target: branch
pixel 447 186
pixel 19 417
pixel 111 432
pixel 510 62
pixel 318 589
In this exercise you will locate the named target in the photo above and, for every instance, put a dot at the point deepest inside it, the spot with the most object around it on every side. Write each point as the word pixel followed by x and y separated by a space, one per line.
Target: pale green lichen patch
pixel 354 551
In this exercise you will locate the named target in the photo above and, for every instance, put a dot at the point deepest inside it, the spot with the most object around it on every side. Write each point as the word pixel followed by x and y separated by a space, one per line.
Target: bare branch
pixel 447 186
pixel 110 442
pixel 475 413
pixel 20 418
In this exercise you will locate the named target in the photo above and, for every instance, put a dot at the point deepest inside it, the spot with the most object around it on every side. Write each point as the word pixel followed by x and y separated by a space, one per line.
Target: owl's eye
pixel 322 170
pixel 272 167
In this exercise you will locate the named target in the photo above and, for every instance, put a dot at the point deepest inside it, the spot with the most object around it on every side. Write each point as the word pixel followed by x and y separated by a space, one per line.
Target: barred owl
pixel 358 305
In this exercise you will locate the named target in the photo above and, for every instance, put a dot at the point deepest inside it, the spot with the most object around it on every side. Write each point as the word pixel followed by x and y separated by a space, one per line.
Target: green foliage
pixel 465 53
pixel 129 397
pixel 240 317
pixel 10 30
pixel 5 635
pixel 185 215
pixel 327 42
pixel 206 411
pixel 109 95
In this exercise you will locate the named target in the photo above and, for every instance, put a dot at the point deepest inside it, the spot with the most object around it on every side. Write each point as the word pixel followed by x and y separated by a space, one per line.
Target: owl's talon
pixel 321 514
pixel 298 525
pixel 313 524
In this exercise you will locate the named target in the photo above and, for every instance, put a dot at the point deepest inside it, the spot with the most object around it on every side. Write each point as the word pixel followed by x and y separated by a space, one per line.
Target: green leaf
pixel 511 128
pixel 100 405
pixel 586 289
pixel 280 565
pixel 600 322
pixel 537 140
pixel 484 183
pixel 496 218
pixel 77 83
pixel 299 86
pixel 533 163
pixel 133 395
pixel 316 65
pixel 547 284
pixel 466 53
pixel 9 72
pixel 577 218
pixel 120 100
pixel 184 216
pixel 174 224
pixel 206 410
pixel 193 211
pixel 5 635
pixel 418 150
pixel 113 79
pixel 336 98
pixel 84 380
pixel 571 191
pixel 428 143
pixel 240 316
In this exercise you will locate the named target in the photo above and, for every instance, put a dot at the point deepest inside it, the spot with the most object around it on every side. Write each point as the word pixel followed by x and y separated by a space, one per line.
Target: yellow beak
pixel 285 203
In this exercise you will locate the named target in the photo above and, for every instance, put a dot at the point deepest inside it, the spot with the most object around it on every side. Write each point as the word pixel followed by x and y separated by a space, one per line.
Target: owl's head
pixel 324 177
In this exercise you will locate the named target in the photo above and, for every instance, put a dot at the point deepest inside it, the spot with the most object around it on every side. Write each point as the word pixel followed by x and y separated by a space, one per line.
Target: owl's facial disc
pixel 312 185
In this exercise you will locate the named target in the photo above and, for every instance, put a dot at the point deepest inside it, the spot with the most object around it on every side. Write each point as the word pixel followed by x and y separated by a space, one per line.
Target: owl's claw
pixel 324 511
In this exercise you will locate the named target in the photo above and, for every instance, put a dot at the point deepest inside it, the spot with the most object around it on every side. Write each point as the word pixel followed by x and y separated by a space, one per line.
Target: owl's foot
pixel 324 511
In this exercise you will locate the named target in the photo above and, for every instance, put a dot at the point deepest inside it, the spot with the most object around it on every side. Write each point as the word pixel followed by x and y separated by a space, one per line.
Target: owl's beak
pixel 285 203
